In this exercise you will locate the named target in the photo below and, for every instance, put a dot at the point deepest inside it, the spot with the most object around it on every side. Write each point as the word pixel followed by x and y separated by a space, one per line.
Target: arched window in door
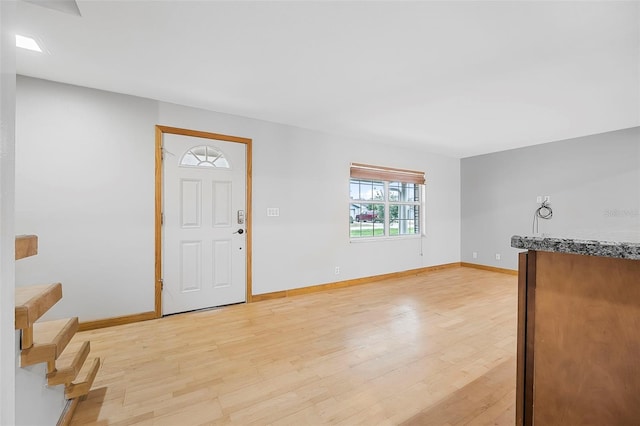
pixel 204 156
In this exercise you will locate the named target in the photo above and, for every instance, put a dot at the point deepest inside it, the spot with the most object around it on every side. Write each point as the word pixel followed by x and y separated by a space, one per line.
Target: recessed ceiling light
pixel 27 43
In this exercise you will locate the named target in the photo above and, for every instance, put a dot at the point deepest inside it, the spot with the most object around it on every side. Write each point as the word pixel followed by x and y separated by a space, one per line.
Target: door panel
pixel 190 266
pixel 221 261
pixel 204 256
pixel 191 195
pixel 221 203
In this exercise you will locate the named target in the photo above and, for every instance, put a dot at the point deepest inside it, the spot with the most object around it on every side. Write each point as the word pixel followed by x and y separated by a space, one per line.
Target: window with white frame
pixel 385 202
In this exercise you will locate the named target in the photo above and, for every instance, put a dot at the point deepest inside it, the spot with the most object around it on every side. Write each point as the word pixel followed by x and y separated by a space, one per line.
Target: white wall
pixel 36 402
pixel 21 389
pixel 305 174
pixel 85 185
pixel 593 181
pixel 7 279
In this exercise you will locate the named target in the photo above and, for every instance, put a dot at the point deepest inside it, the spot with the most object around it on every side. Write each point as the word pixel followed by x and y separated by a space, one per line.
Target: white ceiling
pixel 459 78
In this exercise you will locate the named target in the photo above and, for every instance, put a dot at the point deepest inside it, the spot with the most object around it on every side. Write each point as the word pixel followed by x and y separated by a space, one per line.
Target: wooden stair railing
pixel 49 341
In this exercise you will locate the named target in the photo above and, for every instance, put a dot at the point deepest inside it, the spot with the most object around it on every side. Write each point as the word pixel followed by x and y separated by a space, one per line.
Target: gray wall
pixel 593 182
pixel 8 350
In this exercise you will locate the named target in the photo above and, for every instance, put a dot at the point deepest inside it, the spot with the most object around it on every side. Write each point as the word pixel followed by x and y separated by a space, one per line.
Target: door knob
pixel 239 231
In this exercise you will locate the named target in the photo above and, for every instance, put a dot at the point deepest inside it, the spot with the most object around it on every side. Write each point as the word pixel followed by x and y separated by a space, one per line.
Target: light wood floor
pixel 433 349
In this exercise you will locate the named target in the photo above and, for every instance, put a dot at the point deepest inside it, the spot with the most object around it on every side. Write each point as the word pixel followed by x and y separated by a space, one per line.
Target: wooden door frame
pixel 160 131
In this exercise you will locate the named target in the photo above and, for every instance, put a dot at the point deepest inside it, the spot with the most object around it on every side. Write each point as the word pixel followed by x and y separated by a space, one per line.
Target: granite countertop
pixel 621 250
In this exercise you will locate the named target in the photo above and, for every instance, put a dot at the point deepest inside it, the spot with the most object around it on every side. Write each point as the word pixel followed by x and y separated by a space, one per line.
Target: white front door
pixel 204 239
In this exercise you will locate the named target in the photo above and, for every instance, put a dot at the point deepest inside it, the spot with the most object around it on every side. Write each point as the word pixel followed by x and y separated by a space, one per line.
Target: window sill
pixel 388 238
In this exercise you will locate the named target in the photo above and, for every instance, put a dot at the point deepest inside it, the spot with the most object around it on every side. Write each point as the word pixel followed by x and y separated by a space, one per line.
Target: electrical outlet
pixel 498 256
pixel 475 254
pixel 539 199
pixel 547 198
pixel 337 270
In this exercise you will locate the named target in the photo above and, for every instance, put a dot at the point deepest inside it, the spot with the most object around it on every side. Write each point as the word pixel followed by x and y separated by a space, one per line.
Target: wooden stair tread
pixel 49 340
pixel 26 245
pixel 82 384
pixel 69 411
pixel 33 301
pixel 69 363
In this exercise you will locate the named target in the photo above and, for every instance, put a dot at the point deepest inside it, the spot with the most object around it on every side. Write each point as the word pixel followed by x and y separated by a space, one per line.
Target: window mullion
pixel 387 222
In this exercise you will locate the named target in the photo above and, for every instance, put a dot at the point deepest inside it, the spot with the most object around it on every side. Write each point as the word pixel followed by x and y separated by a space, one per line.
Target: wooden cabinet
pixel 578 340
